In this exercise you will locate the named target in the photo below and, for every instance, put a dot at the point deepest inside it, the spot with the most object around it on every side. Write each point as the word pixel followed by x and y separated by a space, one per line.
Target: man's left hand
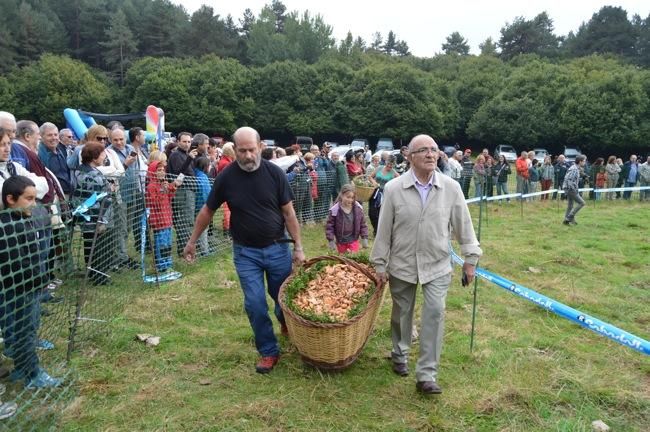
pixel 470 271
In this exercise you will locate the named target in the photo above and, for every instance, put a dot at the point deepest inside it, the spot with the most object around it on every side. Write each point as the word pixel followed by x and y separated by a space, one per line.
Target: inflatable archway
pixel 79 121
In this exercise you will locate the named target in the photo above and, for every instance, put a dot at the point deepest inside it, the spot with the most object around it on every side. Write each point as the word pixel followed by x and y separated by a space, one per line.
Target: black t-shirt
pixel 255 200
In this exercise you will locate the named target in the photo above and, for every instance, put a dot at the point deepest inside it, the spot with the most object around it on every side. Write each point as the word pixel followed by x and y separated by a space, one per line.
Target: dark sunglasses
pixel 100 138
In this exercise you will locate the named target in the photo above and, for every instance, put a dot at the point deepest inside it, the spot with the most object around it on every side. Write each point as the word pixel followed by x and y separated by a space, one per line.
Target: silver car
pixel 507 150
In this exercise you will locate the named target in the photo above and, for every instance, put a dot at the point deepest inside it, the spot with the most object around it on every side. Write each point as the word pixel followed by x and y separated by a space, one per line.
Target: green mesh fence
pixel 34 319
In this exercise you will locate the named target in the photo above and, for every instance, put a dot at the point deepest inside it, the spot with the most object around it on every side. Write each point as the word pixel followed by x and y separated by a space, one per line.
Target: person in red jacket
pixel 522 173
pixel 227 158
pixel 159 197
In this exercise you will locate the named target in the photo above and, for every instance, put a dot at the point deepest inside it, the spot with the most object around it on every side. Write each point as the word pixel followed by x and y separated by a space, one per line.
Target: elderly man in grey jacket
pixel 420 211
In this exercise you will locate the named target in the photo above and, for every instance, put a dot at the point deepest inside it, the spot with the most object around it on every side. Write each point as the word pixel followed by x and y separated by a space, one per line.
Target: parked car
pixel 507 150
pixel 360 142
pixel 342 150
pixel 385 144
pixel 270 143
pixel 391 152
pixel 540 154
pixel 304 142
pixel 570 153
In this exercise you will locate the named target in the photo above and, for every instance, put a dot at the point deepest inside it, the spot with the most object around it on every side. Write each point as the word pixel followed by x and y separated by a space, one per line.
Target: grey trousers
pixel 573 197
pixel 432 323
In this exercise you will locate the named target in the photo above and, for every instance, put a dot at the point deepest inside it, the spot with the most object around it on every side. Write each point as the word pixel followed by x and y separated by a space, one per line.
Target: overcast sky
pixel 425 25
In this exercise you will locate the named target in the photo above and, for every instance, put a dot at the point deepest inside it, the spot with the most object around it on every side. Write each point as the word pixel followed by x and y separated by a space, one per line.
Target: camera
pixel 133 154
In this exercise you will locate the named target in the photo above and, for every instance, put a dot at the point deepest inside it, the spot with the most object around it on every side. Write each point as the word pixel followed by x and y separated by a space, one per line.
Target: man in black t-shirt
pixel 261 204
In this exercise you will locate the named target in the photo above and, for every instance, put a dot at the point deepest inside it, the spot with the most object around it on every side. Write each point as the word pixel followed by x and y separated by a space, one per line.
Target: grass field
pixel 529 371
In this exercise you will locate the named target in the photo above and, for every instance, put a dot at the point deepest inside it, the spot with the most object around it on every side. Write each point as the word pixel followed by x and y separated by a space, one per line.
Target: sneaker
pixel 8 409
pixel 266 364
pixel 284 330
pixel 57 281
pixel 43 380
pixel 44 344
pixel 52 286
pixel 49 297
pixel 566 222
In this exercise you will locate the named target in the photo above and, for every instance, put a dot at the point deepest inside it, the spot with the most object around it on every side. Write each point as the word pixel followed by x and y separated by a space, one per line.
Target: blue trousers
pixel 628 194
pixel 163 248
pixel 19 327
pixel 253 265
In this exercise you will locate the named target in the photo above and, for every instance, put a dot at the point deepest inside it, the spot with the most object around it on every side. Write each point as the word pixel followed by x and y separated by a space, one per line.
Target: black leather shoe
pixel 401 369
pixel 428 387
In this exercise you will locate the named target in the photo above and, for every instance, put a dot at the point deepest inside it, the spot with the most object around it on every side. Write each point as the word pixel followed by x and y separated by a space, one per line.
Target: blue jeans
pixel 627 194
pixel 478 192
pixel 19 327
pixel 502 189
pixel 162 240
pixel 252 265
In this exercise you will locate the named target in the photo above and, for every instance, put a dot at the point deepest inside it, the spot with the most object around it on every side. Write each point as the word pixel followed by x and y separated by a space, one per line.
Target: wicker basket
pixel 332 346
pixel 364 193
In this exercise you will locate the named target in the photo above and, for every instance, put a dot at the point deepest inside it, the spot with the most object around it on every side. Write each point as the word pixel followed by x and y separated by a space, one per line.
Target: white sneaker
pixel 8 409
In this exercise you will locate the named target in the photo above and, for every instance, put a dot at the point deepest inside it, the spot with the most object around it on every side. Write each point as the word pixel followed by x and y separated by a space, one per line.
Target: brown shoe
pixel 266 364
pixel 428 387
pixel 401 369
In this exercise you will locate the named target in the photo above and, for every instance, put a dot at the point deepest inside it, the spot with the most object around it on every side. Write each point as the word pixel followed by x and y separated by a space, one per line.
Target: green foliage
pixel 529 37
pixel 608 31
pixel 488 47
pixel 524 111
pixel 604 106
pixel 456 44
pixel 53 83
pixel 7 95
pixel 120 48
pixel 397 101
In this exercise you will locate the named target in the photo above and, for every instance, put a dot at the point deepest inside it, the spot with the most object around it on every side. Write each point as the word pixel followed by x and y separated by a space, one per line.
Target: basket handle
pixel 343 260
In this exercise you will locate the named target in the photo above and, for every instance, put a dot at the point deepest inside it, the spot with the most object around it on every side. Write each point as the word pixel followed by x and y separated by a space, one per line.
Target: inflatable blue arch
pixel 80 121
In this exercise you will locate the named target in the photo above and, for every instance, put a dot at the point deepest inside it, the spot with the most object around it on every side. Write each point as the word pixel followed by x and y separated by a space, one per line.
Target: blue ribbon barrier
pixel 587 321
pixel 86 205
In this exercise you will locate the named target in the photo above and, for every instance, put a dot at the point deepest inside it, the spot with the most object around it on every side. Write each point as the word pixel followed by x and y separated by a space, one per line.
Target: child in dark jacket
pixel 21 280
pixel 346 223
pixel 159 197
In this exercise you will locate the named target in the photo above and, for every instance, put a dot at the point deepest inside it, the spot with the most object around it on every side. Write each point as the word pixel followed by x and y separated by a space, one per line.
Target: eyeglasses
pixel 101 138
pixel 425 150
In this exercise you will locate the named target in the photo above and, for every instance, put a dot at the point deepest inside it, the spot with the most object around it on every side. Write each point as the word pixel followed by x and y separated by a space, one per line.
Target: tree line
pixel 283 73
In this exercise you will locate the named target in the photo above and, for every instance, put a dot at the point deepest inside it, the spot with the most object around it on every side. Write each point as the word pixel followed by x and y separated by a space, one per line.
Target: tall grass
pixel 529 371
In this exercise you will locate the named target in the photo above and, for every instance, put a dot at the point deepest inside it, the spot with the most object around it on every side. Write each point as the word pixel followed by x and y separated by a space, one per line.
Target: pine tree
pixel 120 47
pixel 488 47
pixel 389 46
pixel 456 45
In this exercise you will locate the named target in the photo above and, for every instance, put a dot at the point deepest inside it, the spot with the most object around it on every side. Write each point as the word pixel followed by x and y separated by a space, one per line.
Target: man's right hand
pixel 193 153
pixel 382 277
pixel 190 252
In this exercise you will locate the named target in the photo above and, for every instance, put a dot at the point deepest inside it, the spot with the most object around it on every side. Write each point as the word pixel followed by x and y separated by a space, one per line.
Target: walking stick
pixel 471 338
